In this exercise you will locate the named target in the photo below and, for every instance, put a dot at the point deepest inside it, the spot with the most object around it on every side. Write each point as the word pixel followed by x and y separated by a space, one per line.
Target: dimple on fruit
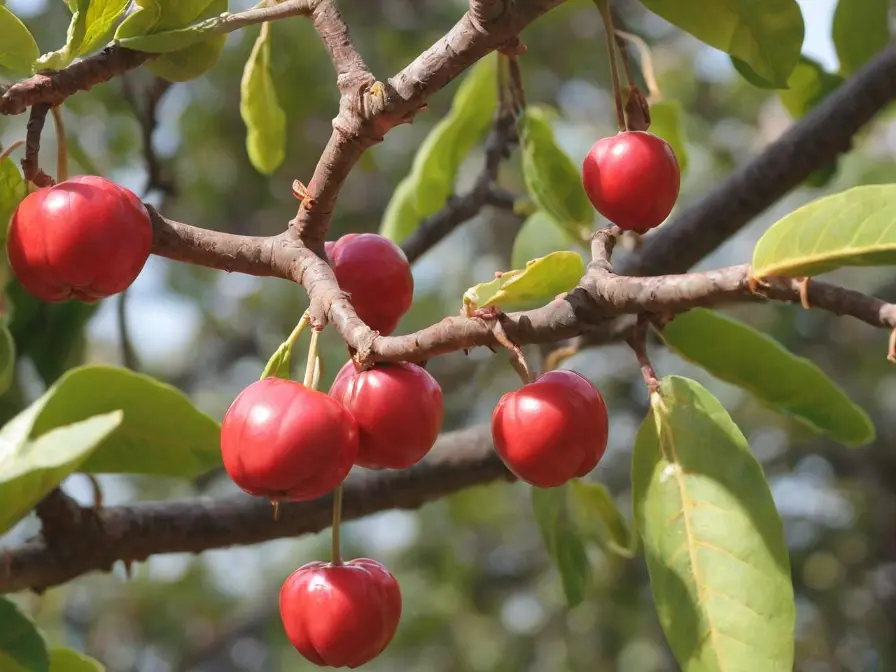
pixel 632 179
pixel 340 615
pixel 85 238
pixel 551 430
pixel 282 440
pixel 399 410
pixel 377 275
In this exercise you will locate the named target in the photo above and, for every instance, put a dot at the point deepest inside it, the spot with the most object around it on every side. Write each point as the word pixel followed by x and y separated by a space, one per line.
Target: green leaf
pixel 539 236
pixel 666 122
pixel 401 218
pixel 189 63
pixel 12 191
pixel 31 466
pixel 177 39
pixel 861 28
pixel 68 660
pixel 738 354
pixel 7 358
pixel 18 50
pixel 92 26
pixel 561 541
pixel 140 21
pixel 162 432
pixel 856 227
pixel 22 647
pixel 553 181
pixel 713 540
pixel 765 35
pixel 596 510
pixel 279 365
pixel 261 112
pixel 809 84
pixel 541 280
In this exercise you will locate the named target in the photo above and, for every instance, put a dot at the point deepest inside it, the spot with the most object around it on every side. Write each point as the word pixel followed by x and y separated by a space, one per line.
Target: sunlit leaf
pixel 713 540
pixel 22 647
pixel 856 227
pixel 261 112
pixel 666 122
pixel 68 660
pixel 92 26
pixel 740 355
pixel 765 35
pixel 279 363
pixel 861 28
pixel 18 50
pixel 562 541
pixel 401 218
pixel 596 511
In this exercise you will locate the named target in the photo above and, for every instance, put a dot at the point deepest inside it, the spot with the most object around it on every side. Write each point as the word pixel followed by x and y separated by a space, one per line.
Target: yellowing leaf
pixel 261 112
pixel 553 181
pixel 540 281
pixel 740 355
pixel 18 50
pixel 856 227
pixel 713 540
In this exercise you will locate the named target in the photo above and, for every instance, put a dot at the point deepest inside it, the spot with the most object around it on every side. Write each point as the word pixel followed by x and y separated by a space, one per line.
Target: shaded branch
pixel 96 541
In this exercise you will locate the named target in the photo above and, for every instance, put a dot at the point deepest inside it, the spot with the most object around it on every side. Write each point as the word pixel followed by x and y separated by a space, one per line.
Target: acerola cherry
pixel 377 275
pixel 632 179
pixel 551 430
pixel 399 411
pixel 340 615
pixel 86 238
pixel 282 440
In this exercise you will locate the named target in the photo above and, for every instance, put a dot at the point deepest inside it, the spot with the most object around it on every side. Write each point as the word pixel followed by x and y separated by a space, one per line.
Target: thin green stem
pixel 336 548
pixel 604 7
pixel 12 147
pixel 61 145
pixel 300 327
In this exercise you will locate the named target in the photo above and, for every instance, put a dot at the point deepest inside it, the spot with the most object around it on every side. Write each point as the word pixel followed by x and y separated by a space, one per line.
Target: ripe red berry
pixel 377 275
pixel 86 238
pixel 340 615
pixel 399 411
pixel 551 430
pixel 632 179
pixel 282 440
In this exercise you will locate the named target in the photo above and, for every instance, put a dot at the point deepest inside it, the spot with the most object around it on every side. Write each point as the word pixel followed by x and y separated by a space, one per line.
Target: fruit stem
pixel 310 365
pixel 646 64
pixel 336 552
pixel 61 145
pixel 300 327
pixel 604 7
pixel 9 150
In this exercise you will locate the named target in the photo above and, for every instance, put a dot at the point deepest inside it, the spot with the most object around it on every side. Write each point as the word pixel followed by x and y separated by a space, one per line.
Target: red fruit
pixel 399 411
pixel 86 238
pixel 282 440
pixel 552 430
pixel 340 615
pixel 632 179
pixel 377 275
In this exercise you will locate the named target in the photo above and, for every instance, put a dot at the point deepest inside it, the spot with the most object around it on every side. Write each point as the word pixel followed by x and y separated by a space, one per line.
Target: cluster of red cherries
pixel 88 238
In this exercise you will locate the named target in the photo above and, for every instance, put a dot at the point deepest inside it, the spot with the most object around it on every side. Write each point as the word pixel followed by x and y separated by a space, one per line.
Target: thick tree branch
pixel 95 541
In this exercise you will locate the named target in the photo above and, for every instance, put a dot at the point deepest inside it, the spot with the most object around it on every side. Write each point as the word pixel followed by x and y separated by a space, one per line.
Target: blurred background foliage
pixel 479 591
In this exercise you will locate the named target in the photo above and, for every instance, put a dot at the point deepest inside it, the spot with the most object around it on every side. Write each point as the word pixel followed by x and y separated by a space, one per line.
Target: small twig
pixel 604 7
pixel 9 150
pixel 128 355
pixel 891 350
pixel 603 242
pixel 559 355
pixel 61 145
pixel 647 71
pixel 517 91
pixel 638 342
pixel 30 162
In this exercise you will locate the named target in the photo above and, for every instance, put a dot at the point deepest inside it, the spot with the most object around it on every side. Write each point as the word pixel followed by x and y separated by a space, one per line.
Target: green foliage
pixel 261 112
pixel 596 511
pixel 92 25
pixel 666 122
pixel 740 355
pixel 279 365
pixel 764 37
pixel 860 29
pixel 562 541
pixel 714 542
pixel 7 358
pixel 856 227
pixel 539 236
pixel 22 647
pixel 541 280
pixel 12 191
pixel 18 50
pixel 552 179
pixel 162 432
pixel 431 180
pixel 68 660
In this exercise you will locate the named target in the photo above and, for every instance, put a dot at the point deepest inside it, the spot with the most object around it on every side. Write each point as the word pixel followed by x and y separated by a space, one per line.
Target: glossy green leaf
pixel 174 40
pixel 7 358
pixel 162 432
pixel 92 26
pixel 540 281
pixel 666 122
pixel 561 541
pixel 140 21
pixel 68 660
pixel 713 540
pixel 31 465
pixel 861 28
pixel 401 218
pixel 765 35
pixel 596 511
pixel 18 50
pixel 856 227
pixel 22 647
pixel 261 112
pixel 552 179
pixel 539 236
pixel 189 63
pixel 736 353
